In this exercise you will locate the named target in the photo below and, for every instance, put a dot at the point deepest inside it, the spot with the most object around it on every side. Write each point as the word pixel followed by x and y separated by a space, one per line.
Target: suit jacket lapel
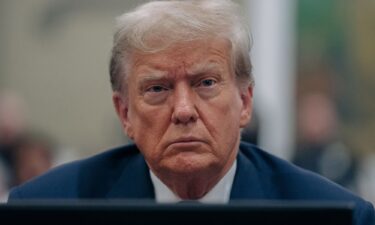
pixel 135 181
pixel 246 184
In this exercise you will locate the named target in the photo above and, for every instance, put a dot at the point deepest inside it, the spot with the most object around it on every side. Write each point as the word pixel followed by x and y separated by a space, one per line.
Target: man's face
pixel 184 109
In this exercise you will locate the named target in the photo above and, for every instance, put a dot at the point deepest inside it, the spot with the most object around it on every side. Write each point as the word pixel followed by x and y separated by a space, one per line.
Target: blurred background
pixel 314 65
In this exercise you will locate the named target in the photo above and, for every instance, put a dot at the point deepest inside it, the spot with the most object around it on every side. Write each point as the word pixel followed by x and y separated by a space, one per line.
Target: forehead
pixel 189 55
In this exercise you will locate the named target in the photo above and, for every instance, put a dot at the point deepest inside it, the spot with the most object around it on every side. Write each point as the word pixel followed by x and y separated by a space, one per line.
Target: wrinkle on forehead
pixel 184 58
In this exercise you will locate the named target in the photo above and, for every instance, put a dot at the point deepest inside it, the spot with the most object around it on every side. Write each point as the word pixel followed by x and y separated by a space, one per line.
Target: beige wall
pixel 61 71
pixel 55 54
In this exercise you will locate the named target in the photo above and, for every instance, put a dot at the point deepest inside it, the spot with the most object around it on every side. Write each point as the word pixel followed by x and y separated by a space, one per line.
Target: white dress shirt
pixel 219 194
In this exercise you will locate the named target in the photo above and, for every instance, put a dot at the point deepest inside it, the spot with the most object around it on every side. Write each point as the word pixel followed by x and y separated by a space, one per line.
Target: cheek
pixel 149 124
pixel 223 117
pixel 230 108
pixel 230 127
pixel 144 120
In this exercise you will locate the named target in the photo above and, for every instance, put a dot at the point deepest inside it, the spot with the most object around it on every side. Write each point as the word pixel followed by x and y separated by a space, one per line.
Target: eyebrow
pixel 204 67
pixel 151 75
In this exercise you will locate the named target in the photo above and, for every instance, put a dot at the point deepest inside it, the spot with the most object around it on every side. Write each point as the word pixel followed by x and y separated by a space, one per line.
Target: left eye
pixel 207 82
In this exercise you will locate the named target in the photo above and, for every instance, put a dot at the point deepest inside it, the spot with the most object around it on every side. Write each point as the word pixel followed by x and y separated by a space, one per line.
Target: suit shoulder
pixel 285 180
pixel 68 180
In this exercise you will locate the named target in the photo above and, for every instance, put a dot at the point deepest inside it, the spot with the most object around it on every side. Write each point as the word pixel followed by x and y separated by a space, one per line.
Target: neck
pixel 195 185
pixel 193 188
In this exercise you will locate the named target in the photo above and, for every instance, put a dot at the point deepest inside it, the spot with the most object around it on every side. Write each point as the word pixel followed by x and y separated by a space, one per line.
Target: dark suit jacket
pixel 123 173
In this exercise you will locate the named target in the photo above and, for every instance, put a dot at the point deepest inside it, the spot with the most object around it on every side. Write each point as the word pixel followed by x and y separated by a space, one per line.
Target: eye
pixel 155 94
pixel 156 89
pixel 207 82
pixel 208 87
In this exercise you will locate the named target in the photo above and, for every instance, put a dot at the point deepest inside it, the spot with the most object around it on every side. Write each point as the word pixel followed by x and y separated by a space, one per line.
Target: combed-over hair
pixel 156 25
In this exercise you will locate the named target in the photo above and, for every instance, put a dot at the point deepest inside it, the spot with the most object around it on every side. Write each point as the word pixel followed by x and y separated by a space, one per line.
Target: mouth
pixel 186 143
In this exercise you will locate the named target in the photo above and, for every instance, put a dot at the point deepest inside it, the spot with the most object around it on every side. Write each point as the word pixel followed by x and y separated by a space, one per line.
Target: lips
pixel 186 142
pixel 187 139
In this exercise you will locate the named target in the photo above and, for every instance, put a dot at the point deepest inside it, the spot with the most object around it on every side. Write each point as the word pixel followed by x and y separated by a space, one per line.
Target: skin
pixel 184 110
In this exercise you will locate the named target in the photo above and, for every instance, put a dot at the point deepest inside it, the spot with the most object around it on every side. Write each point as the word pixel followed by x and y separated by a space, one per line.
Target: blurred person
pixel 12 126
pixel 320 149
pixel 12 123
pixel 183 89
pixel 32 156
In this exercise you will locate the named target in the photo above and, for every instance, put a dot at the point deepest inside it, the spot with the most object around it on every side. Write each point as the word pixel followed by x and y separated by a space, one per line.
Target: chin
pixel 188 163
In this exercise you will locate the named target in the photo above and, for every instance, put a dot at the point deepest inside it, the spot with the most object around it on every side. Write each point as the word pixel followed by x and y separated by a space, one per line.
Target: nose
pixel 184 107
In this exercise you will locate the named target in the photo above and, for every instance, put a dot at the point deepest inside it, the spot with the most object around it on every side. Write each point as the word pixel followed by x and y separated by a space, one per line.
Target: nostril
pixel 184 116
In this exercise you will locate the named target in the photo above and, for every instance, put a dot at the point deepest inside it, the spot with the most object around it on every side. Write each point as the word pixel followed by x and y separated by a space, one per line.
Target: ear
pixel 122 109
pixel 247 105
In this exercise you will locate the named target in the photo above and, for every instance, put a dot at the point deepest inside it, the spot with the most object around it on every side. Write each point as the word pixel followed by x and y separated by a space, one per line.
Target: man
pixel 182 88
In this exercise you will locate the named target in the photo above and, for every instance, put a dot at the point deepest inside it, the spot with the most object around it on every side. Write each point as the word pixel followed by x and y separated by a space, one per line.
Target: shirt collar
pixel 220 193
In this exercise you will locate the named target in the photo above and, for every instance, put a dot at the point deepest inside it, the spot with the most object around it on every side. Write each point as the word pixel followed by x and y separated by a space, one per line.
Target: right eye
pixel 156 94
pixel 156 89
